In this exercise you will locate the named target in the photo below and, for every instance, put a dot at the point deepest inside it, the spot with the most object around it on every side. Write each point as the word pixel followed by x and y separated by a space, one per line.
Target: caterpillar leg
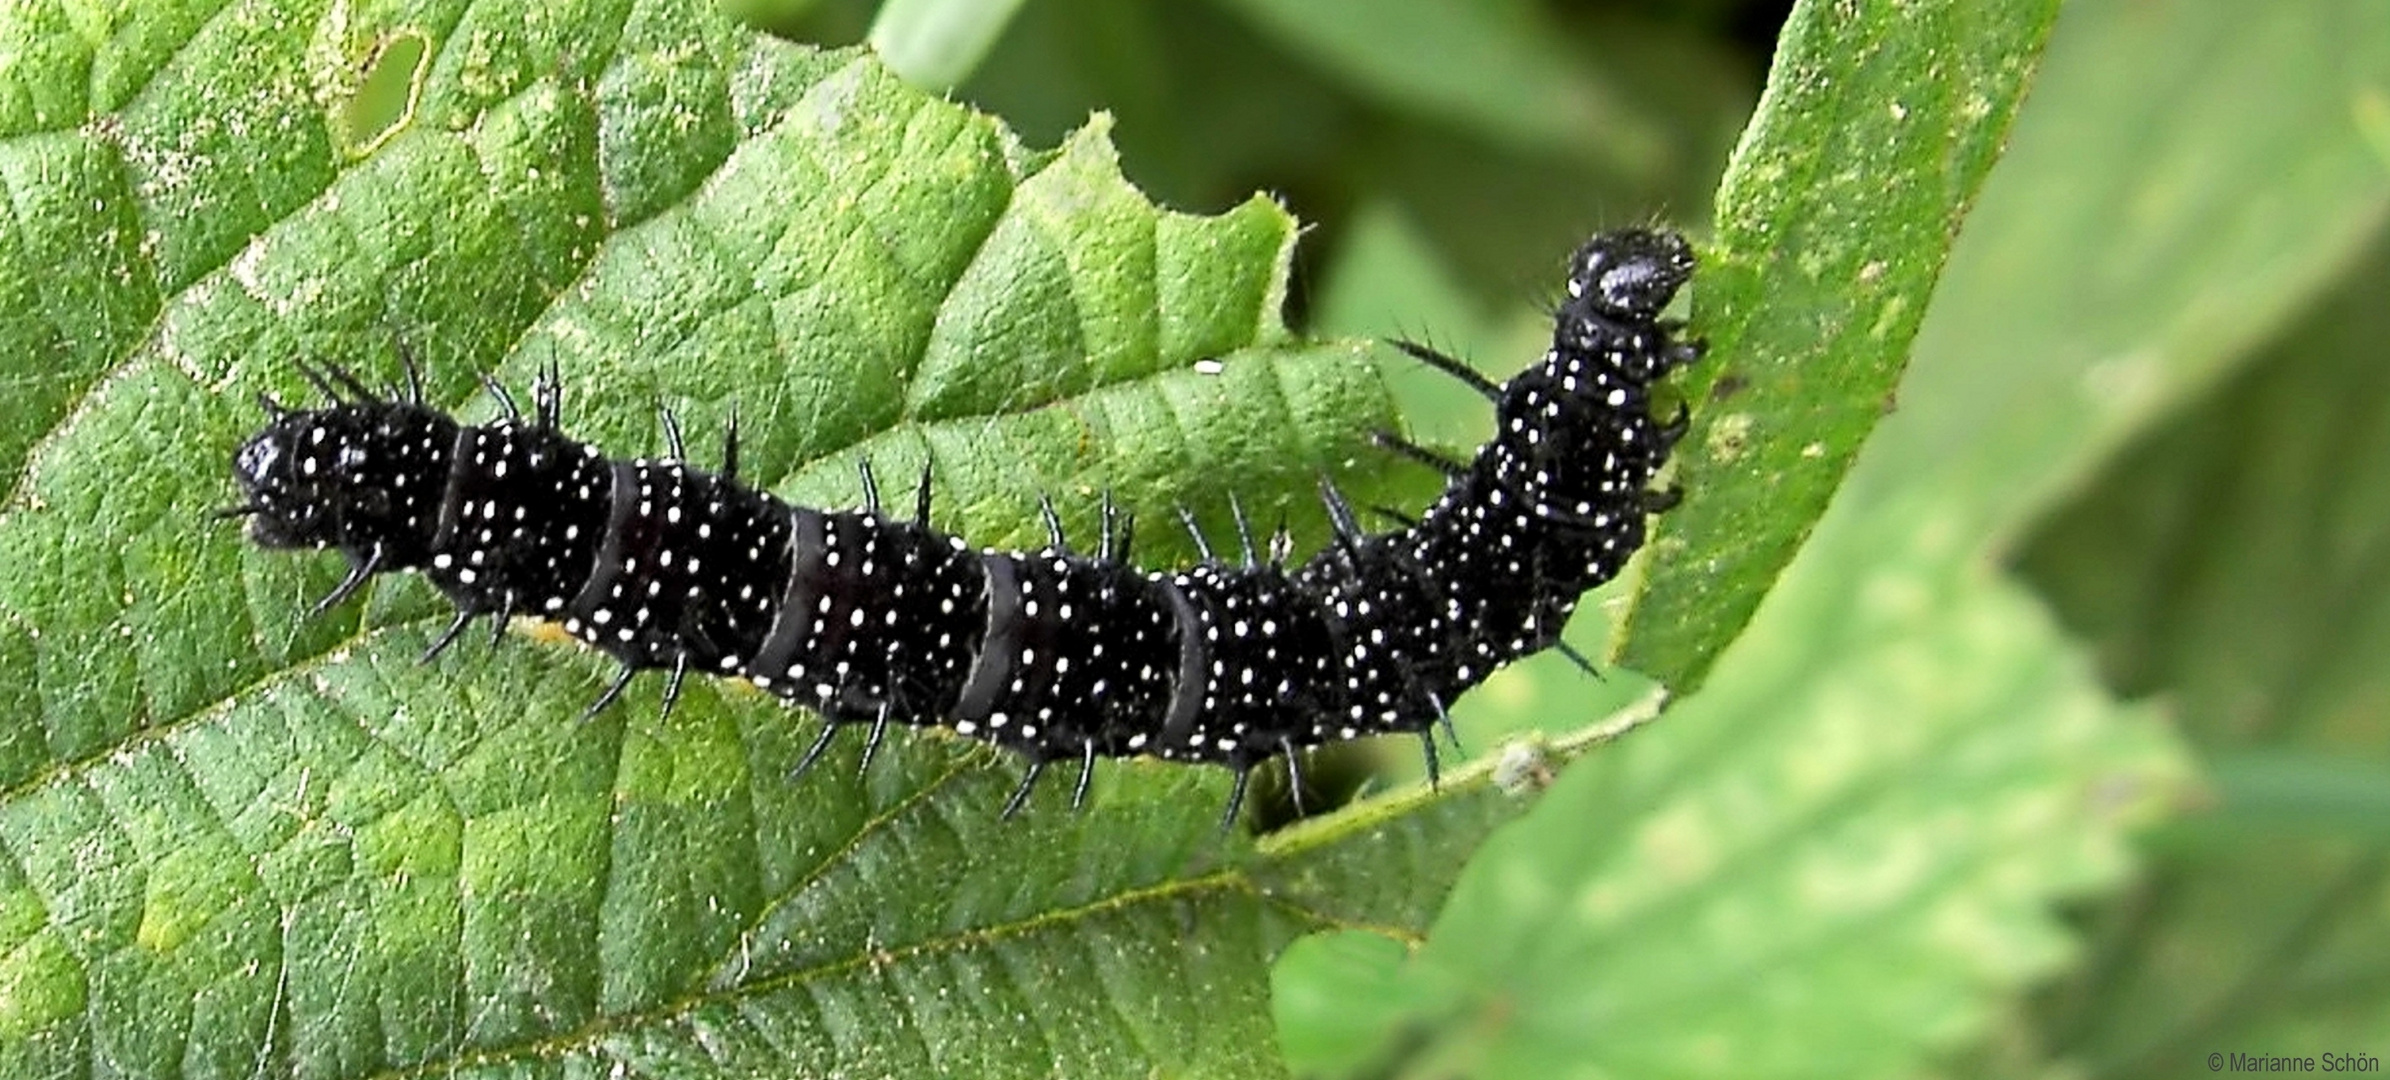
pixel 680 670
pixel 1294 775
pixel 621 682
pixel 871 742
pixel 1086 773
pixel 821 743
pixel 1236 795
pixel 359 572
pixel 1675 427
pixel 1444 720
pixel 448 637
pixel 1020 795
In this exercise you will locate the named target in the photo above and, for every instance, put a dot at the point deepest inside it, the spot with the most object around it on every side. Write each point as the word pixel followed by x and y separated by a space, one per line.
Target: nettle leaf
pixel 235 841
pixel 1833 222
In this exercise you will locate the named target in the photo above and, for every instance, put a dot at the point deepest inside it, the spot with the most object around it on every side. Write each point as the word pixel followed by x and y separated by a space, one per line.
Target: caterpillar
pixel 1057 654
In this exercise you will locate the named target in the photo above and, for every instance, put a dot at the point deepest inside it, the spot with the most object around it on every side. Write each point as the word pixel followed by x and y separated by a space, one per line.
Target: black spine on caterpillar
pixel 1056 654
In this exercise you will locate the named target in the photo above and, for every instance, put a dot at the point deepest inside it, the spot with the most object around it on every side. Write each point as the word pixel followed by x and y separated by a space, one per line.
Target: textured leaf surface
pixel 234 841
pixel 1833 221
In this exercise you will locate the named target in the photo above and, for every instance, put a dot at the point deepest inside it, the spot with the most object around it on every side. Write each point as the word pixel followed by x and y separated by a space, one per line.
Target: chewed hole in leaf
pixel 384 102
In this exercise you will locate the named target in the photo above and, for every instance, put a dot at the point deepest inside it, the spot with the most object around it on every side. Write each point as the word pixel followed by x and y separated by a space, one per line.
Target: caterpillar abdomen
pixel 1054 653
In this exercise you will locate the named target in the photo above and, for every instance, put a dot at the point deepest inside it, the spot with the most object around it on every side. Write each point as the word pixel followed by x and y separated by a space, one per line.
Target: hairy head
pixel 342 477
pixel 1631 273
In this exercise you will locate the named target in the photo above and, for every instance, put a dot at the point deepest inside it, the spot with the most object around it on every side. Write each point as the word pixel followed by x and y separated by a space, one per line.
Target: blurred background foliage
pixel 2139 476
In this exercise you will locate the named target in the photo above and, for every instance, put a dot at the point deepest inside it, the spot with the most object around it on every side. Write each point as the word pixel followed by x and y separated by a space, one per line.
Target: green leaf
pixel 235 841
pixel 2234 561
pixel 936 43
pixel 2186 182
pixel 1496 66
pixel 1833 222
pixel 2198 176
pixel 1844 850
pixel 1841 851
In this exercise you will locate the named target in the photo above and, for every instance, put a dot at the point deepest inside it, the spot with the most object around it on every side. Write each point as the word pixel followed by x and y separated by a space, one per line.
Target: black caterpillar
pixel 1055 654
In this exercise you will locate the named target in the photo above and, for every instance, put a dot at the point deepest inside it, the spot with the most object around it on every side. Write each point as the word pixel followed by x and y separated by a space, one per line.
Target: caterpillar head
pixel 356 477
pixel 1631 273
